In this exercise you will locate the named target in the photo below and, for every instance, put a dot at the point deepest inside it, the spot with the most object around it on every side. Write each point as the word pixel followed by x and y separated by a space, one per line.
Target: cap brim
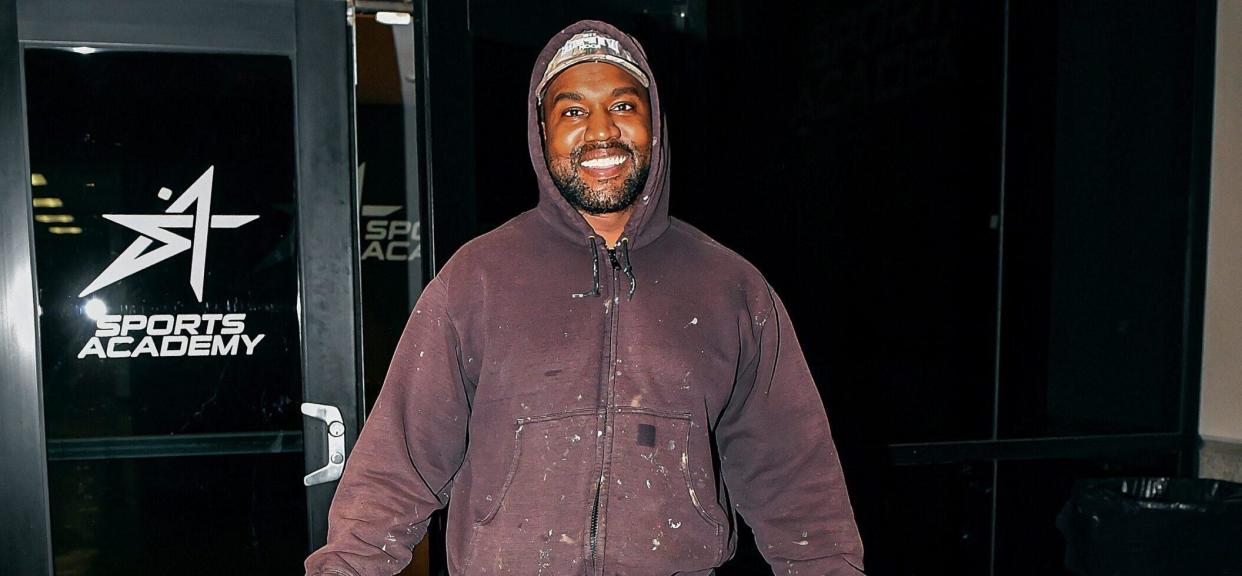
pixel 617 61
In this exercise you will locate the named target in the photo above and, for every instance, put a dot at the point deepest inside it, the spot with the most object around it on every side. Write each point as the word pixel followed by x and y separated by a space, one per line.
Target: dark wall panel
pixel 1096 216
pixel 864 145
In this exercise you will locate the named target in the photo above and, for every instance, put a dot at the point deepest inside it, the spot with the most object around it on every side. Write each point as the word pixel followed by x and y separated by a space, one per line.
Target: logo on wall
pixel 158 227
pixel 388 239
pixel 168 335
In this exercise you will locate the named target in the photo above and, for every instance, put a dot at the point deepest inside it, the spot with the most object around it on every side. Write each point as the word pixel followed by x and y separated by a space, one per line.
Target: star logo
pixel 158 227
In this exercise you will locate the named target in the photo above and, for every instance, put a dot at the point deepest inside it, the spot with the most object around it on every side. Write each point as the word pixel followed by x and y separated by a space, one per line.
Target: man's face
pixel 597 136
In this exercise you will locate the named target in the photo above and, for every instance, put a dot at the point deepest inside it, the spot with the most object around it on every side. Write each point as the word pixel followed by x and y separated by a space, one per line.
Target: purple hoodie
pixel 580 415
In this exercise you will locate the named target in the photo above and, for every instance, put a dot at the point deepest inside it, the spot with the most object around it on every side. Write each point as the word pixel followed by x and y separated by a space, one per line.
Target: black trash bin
pixel 1153 527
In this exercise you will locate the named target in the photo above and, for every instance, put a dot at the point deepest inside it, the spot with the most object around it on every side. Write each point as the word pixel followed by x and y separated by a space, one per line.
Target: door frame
pixel 25 521
pixel 316 36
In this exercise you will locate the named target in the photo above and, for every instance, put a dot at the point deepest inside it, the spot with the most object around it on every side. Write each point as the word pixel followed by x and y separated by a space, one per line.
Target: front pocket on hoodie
pixel 661 495
pixel 540 512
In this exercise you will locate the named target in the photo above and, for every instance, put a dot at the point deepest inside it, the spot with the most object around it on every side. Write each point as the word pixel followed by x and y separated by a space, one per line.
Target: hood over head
pixel 650 218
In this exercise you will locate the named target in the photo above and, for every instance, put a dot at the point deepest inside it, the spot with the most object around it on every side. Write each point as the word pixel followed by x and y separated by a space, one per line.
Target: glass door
pixel 189 190
pixel 394 263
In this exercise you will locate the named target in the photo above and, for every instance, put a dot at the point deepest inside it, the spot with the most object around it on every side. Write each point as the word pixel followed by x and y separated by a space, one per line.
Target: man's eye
pixel 573 112
pixel 623 107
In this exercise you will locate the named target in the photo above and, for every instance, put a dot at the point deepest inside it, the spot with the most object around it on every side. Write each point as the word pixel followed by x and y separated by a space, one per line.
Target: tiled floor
pixel 1221 460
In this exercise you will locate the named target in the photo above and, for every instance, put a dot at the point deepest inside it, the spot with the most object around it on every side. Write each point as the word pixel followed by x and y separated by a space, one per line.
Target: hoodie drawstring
pixel 594 270
pixel 628 269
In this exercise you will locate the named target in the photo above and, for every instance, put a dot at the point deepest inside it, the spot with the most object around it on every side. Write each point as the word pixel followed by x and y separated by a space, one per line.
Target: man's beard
pixel 613 196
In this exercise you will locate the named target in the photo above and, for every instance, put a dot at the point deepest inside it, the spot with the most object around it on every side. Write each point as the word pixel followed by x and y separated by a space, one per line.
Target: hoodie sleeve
pixel 780 464
pixel 402 467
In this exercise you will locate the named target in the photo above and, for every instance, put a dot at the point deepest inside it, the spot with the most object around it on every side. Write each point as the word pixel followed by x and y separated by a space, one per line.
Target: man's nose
pixel 601 128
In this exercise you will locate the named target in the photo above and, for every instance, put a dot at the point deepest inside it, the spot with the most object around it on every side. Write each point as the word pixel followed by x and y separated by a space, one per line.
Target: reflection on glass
pixel 389 186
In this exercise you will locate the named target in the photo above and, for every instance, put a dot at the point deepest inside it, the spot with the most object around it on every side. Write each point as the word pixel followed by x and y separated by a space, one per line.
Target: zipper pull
pixel 612 257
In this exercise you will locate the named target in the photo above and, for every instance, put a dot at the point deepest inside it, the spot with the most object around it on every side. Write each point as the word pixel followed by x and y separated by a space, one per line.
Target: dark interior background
pixel 985 216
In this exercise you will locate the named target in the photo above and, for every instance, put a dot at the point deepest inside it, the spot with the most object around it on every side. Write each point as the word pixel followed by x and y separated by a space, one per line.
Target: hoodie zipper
pixel 605 438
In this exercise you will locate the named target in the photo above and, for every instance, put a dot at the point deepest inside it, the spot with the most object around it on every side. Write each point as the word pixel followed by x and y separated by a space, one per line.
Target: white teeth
pixel 607 162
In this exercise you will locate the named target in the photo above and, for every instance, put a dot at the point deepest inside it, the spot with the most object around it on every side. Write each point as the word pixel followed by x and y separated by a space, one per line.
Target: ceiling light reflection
pixel 393 18
pixel 95 309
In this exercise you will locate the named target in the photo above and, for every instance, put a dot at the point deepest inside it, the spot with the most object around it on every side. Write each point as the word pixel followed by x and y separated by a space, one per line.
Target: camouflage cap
pixel 590 46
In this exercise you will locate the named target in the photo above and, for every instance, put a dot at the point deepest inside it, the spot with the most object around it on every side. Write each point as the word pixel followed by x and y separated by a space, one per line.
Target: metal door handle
pixel 336 443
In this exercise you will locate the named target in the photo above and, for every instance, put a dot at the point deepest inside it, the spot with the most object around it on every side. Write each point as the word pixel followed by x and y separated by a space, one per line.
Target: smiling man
pixel 595 387
pixel 597 134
